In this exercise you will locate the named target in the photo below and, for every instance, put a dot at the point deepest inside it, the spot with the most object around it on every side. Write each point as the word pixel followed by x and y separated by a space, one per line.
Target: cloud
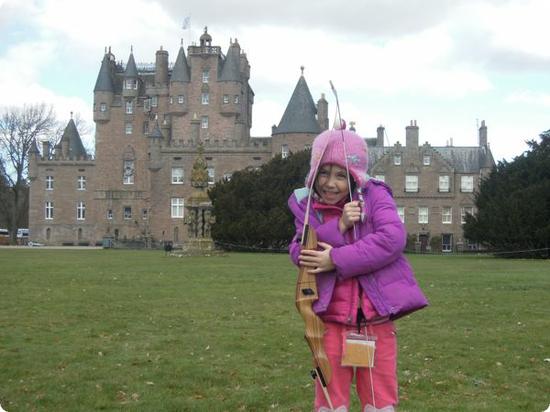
pixel 529 97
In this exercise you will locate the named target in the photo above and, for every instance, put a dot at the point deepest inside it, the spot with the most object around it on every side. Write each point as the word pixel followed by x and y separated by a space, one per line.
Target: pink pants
pixel 384 372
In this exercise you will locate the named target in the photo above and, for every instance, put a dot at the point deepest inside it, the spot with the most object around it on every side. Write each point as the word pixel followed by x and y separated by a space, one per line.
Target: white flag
pixel 186 23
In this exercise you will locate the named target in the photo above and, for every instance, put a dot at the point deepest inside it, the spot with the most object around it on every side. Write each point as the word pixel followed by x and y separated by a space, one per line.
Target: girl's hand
pixel 350 215
pixel 319 260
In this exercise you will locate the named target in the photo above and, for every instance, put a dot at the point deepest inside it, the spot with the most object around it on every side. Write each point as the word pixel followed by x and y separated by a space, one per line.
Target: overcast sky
pixel 448 64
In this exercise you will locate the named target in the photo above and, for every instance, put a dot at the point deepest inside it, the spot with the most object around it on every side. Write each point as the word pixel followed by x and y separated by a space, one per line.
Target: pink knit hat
pixel 356 150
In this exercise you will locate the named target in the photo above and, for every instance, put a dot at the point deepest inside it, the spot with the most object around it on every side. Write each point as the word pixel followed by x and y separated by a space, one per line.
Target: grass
pixel 128 330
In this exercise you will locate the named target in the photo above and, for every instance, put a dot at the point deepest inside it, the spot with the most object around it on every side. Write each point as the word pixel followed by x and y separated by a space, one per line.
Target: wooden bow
pixel 306 295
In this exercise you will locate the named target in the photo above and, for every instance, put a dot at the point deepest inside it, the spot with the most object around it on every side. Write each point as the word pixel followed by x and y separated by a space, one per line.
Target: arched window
pixel 176 234
pixel 79 234
pixel 116 234
pixel 48 233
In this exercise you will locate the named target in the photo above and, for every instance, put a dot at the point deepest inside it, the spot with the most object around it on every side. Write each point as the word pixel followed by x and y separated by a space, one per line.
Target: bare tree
pixel 20 129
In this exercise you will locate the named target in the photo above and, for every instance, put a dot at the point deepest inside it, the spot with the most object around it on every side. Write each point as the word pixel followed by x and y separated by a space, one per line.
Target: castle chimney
pixel 483 134
pixel 411 134
pixel 380 136
pixel 45 149
pixel 322 112
pixel 161 67
pixel 65 148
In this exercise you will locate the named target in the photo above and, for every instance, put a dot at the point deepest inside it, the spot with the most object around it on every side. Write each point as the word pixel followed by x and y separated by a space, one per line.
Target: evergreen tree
pixel 251 208
pixel 513 204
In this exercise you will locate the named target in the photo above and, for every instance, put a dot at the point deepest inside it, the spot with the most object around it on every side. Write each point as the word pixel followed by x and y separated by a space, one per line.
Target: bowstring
pixel 345 149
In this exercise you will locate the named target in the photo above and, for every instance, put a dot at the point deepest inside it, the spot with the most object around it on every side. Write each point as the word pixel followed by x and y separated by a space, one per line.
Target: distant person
pixel 168 247
pixel 364 282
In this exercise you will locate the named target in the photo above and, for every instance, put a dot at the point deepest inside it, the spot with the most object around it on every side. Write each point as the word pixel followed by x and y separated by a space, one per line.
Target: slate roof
pixel 157 133
pixel 467 159
pixel 180 71
pixel 461 159
pixel 104 82
pixel 231 70
pixel 71 135
pixel 131 69
pixel 299 116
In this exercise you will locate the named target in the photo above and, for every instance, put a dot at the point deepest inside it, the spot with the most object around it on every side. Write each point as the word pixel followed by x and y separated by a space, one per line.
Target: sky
pixel 448 64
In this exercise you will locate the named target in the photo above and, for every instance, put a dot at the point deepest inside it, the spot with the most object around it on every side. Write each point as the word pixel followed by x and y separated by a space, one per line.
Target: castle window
pixel 467 184
pixel 204 122
pixel 284 151
pixel 110 214
pixel 236 99
pixel 171 100
pixel 177 207
pixel 427 160
pixel 79 234
pixel 225 99
pixel 444 184
pixel 177 175
pixel 205 75
pixel 145 127
pixel 102 107
pixel 49 211
pixel 48 233
pixel 80 211
pixel 466 210
pixel 447 215
pixel 127 212
pixel 81 183
pixel 382 178
pixel 397 159
pixel 144 214
pixel 423 215
pixel 129 107
pixel 205 98
pixel 181 99
pixel 128 129
pixel 49 182
pixel 131 84
pixel 154 101
pixel 211 175
pixel 401 213
pixel 411 183
pixel 128 172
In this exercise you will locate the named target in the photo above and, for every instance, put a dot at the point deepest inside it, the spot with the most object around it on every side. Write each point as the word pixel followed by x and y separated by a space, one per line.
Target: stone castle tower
pixel 150 120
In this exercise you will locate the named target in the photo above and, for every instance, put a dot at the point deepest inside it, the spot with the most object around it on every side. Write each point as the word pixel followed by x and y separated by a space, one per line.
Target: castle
pixel 150 121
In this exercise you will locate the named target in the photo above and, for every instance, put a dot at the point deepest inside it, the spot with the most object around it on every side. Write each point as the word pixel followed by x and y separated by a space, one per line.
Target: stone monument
pixel 199 217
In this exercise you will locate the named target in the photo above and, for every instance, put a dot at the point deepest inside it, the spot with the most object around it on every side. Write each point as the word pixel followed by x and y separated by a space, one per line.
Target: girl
pixel 364 282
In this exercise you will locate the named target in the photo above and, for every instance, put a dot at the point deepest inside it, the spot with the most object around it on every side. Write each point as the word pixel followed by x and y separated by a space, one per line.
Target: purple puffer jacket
pixel 376 258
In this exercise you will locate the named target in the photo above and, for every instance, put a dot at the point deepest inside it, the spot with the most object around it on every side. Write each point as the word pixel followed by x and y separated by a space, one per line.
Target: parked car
pixel 4 237
pixel 22 236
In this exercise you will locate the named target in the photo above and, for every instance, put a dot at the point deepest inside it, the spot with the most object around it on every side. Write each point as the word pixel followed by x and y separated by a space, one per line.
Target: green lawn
pixel 127 330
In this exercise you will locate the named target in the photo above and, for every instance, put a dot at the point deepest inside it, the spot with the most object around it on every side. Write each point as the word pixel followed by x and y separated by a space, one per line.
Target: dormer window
pixel 427 160
pixel 397 159
pixel 130 84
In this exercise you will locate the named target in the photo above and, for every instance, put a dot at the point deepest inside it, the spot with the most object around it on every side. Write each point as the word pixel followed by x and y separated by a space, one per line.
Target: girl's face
pixel 332 184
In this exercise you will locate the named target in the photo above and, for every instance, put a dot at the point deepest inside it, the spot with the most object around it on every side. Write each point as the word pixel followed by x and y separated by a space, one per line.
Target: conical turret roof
pixel 71 135
pixel 231 67
pixel 131 69
pixel 104 82
pixel 299 116
pixel 180 72
pixel 157 133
